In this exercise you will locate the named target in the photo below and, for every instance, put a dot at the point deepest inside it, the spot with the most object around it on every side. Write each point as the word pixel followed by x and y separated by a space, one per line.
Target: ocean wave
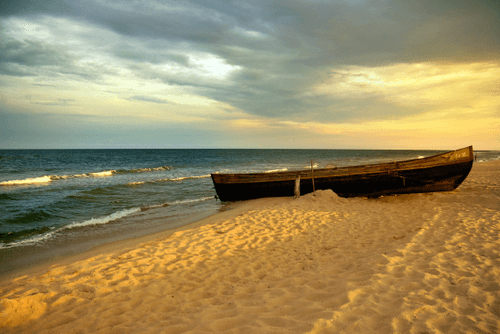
pixel 479 160
pixel 276 170
pixel 96 174
pixel 49 178
pixel 184 201
pixel 102 174
pixel 103 220
pixel 315 165
pixel 138 183
pixel 187 178
pixel 143 170
pixel 32 180
pixel 169 179
pixel 40 238
pixel 30 241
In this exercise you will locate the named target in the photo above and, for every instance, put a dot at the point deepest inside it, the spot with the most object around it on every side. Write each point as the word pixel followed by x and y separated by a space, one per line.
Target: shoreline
pixel 130 227
pixel 317 264
pixel 130 241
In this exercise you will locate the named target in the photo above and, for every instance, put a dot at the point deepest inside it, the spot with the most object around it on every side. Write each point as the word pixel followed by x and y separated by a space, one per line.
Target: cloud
pixel 440 86
pixel 37 58
pixel 147 99
pixel 269 62
pixel 56 102
pixel 19 58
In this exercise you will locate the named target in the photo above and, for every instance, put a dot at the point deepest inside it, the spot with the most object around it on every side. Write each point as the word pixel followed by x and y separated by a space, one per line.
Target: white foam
pixel 94 221
pixel 50 178
pixel 142 170
pixel 185 201
pixel 34 180
pixel 97 174
pixel 62 177
pixel 103 220
pixel 31 241
pixel 103 174
pixel 276 170
pixel 309 166
pixel 185 178
pixel 165 180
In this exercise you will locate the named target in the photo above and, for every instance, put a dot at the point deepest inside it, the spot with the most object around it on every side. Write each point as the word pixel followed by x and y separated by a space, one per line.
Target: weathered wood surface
pixel 441 172
pixel 297 187
pixel 312 176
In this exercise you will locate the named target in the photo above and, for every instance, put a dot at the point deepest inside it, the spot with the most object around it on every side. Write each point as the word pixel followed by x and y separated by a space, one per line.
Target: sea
pixel 56 203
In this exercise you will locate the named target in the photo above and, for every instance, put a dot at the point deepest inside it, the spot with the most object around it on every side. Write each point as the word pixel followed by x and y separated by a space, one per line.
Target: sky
pixel 307 74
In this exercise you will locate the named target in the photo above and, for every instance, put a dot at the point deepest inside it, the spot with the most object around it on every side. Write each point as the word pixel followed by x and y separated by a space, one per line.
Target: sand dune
pixel 420 263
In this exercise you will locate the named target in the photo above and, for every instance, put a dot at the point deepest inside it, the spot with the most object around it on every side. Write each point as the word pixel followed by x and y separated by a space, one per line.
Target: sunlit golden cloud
pixel 415 84
pixel 462 102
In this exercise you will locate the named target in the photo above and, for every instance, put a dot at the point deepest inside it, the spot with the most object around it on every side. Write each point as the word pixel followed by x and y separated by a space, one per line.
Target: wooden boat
pixel 442 172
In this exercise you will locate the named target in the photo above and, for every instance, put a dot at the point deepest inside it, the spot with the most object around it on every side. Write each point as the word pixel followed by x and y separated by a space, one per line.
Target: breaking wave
pixel 48 235
pixel 185 201
pixel 187 178
pixel 30 241
pixel 103 220
pixel 143 170
pixel 276 170
pixel 169 179
pixel 49 178
pixel 40 238
pixel 34 180
pixel 315 165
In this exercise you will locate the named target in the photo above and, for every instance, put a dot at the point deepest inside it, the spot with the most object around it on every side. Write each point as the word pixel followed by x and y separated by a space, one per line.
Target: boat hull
pixel 442 172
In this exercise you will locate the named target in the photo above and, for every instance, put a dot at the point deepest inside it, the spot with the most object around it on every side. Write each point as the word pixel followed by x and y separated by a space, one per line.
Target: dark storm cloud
pixel 32 53
pixel 17 58
pixel 35 58
pixel 30 7
pixel 280 49
pixel 315 32
pixel 150 55
pixel 384 32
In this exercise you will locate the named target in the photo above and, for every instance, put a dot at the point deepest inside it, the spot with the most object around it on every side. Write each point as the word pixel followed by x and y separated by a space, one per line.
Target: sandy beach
pixel 420 263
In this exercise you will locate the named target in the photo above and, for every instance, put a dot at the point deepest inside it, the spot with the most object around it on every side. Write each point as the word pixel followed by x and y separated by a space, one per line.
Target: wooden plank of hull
pixel 443 172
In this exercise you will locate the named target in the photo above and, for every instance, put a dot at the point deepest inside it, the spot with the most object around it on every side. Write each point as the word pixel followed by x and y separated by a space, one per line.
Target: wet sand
pixel 318 264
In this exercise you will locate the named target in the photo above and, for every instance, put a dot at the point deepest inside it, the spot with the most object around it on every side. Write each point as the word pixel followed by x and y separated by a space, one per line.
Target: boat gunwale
pixel 345 171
